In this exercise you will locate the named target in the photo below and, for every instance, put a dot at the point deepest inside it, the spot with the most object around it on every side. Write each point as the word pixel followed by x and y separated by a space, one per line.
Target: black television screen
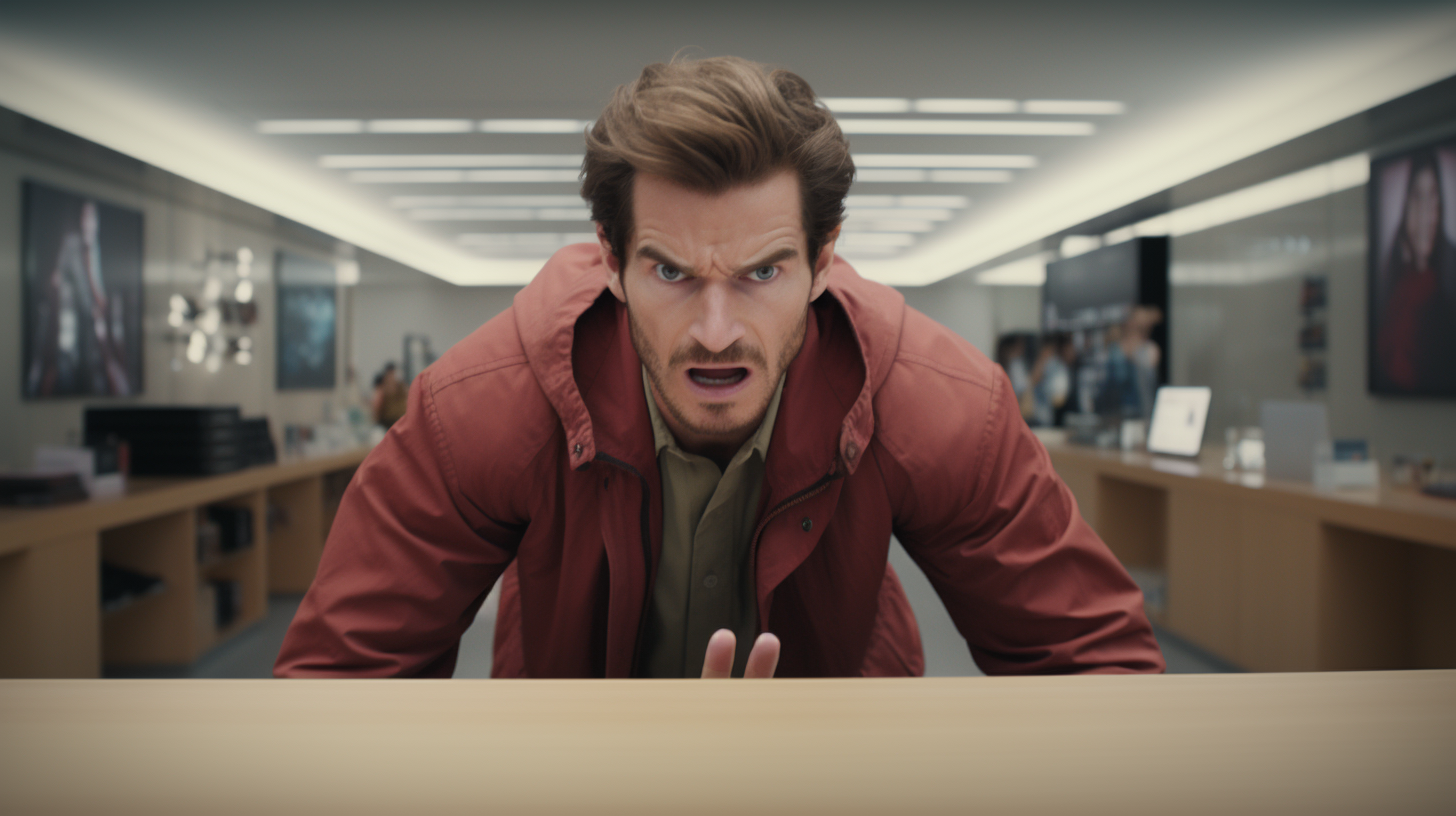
pixel 81 273
pixel 1412 272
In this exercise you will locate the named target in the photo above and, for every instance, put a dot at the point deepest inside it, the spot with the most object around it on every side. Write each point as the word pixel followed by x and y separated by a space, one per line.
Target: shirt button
pixel 711 581
pixel 807 524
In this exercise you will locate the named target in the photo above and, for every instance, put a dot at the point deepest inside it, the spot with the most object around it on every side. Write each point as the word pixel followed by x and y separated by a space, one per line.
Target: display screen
pixel 81 272
pixel 1179 415
pixel 1092 290
pixel 1412 272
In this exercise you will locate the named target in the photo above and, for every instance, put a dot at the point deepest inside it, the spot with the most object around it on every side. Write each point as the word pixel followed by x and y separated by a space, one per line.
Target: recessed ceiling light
pixel 845 104
pixel 965 106
pixel 942 160
pixel 419 126
pixel 452 160
pixel 575 126
pixel 310 126
pixel 409 202
pixel 460 176
pixel 964 127
pixel 1073 107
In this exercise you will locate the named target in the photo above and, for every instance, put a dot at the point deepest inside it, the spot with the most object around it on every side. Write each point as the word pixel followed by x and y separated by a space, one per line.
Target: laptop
pixel 1179 414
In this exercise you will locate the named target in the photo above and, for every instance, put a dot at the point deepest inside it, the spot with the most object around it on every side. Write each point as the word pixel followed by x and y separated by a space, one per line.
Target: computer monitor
pixel 1179 413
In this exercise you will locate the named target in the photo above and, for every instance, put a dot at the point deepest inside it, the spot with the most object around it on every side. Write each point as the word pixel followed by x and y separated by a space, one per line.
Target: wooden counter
pixel 51 624
pixel 1278 576
pixel 1336 743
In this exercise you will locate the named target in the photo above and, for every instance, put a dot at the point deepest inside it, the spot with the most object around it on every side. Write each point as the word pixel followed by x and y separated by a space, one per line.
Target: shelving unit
pixel 51 623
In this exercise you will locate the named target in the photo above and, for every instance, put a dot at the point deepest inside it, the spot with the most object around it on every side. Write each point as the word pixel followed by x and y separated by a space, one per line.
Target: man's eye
pixel 764 273
pixel 667 273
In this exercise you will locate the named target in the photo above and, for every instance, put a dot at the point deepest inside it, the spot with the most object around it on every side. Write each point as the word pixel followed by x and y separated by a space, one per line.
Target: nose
pixel 717 326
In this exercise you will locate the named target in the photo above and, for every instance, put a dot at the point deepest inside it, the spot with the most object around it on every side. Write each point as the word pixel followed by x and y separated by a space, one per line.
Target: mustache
pixel 735 354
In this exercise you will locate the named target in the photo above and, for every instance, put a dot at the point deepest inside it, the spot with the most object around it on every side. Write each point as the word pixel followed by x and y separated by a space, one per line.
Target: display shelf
pixel 51 623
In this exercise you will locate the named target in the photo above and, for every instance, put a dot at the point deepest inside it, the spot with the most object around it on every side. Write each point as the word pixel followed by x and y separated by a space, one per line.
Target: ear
pixel 822 264
pixel 614 266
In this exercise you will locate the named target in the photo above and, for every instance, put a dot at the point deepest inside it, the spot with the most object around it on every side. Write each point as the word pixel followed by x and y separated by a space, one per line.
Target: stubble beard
pixel 694 352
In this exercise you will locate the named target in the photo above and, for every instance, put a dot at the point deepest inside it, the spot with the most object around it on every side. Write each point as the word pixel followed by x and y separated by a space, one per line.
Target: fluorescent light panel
pixel 575 126
pixel 951 201
pixel 449 160
pixel 950 161
pixel 1275 194
pixel 500 214
pixel 336 126
pixel 883 239
pixel 856 224
pixel 965 106
pixel 920 213
pixel 411 202
pixel 1073 107
pixel 420 126
pixel 838 104
pixel 461 176
pixel 964 127
pixel 498 240
pixel 877 176
pixel 1029 271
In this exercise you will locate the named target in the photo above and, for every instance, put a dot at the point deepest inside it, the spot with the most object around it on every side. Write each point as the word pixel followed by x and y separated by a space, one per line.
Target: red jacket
pixel 528 445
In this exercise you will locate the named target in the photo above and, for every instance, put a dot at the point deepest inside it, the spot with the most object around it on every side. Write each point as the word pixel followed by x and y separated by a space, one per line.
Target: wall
pixel 1235 320
pixel 978 313
pixel 182 224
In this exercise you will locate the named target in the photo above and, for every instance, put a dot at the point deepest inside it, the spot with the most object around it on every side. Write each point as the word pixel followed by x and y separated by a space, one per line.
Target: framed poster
pixel 1412 272
pixel 307 323
pixel 81 295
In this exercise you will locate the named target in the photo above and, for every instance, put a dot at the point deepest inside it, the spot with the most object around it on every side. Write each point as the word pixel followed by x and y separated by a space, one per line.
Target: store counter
pixel 1333 743
pixel 1276 576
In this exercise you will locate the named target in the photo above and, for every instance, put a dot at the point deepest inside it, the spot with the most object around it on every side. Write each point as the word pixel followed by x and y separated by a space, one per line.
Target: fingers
pixel 764 658
pixel 718 660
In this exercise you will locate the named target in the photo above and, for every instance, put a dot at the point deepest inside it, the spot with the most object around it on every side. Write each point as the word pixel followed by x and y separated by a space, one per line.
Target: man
pixel 703 432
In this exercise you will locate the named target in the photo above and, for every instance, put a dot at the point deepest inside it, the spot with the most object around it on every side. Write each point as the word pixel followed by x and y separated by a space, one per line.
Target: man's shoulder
pixel 939 399
pixel 484 397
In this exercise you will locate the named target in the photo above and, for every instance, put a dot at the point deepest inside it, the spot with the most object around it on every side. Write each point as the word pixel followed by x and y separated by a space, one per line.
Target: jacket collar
pixel 577 342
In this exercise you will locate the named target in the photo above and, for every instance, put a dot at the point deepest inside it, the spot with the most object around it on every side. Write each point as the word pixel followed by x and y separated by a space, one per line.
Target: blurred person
pixel 1415 342
pixel 391 397
pixel 1011 355
pixel 77 341
pixel 1053 384
pixel 702 432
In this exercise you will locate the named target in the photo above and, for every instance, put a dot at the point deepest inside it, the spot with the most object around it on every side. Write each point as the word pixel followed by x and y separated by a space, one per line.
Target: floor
pixel 251 653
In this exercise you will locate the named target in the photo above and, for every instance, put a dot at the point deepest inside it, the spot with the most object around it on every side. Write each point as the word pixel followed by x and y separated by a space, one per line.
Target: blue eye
pixel 764 273
pixel 667 273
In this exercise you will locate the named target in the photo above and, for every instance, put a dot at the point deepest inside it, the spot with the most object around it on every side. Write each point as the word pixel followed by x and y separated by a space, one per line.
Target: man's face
pixel 717 288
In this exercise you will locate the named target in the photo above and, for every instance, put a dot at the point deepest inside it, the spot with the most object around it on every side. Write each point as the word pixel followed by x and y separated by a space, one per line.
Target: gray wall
pixel 1235 322
pixel 180 230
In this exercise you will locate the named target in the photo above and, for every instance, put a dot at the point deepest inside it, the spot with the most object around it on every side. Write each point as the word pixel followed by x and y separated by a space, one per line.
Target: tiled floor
pixel 251 654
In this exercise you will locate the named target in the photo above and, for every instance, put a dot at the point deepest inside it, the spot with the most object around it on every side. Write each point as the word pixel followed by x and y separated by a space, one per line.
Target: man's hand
pixel 718 661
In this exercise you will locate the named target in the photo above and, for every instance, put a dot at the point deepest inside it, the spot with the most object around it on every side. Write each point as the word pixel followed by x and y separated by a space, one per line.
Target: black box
pixel 169 440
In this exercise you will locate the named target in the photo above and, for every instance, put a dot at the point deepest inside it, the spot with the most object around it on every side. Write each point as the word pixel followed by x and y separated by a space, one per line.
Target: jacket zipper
pixel 645 523
pixel 798 498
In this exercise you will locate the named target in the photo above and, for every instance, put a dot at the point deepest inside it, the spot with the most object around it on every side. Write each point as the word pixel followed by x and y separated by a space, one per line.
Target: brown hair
pixel 709 125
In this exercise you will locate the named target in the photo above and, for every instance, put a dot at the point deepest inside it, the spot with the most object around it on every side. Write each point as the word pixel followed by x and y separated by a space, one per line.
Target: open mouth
pixel 717 377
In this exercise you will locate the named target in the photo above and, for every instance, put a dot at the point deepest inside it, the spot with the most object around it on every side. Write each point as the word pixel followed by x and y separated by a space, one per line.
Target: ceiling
pixel 189 88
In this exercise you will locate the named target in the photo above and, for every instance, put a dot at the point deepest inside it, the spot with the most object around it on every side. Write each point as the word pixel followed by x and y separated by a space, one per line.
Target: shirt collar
pixel 663 439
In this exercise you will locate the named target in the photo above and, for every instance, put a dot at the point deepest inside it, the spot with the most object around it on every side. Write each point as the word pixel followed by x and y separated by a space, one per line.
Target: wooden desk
pixel 1336 743
pixel 51 623
pixel 1278 576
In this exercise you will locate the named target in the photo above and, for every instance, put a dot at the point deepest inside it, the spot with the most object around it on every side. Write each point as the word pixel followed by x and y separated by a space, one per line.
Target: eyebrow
pixel 777 257
pixel 655 254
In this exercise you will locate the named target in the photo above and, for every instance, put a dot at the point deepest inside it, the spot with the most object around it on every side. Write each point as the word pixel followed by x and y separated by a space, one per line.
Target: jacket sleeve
pixel 1028 583
pixel 407 563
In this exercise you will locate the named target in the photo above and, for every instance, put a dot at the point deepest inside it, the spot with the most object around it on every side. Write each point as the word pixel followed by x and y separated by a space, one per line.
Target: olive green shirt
pixel 703 579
